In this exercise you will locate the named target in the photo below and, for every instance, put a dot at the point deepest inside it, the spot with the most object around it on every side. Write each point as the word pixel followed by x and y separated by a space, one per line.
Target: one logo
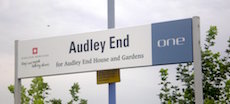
pixel 35 51
pixel 171 42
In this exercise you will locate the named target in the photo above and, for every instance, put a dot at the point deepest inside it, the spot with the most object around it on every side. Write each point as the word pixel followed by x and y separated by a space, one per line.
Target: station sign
pixel 153 44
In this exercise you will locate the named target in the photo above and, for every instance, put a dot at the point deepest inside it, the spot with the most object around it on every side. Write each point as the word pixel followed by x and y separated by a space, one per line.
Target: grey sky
pixel 29 19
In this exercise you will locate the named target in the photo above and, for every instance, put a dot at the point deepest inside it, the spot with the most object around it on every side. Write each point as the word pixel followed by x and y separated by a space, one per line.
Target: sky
pixel 33 19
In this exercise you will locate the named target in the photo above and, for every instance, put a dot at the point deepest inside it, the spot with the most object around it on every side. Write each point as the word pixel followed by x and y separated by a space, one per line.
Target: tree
pixel 216 77
pixel 24 98
pixel 55 101
pixel 74 91
pixel 38 92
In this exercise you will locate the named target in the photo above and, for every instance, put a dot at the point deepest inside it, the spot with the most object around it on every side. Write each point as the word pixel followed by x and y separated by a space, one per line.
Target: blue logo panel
pixel 172 42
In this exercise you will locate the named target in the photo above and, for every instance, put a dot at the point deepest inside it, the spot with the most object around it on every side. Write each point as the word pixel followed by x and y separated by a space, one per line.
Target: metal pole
pixel 111 24
pixel 197 60
pixel 111 14
pixel 112 93
pixel 17 83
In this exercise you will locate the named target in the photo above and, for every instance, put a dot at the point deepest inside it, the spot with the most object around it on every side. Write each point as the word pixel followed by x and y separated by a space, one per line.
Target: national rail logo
pixel 35 50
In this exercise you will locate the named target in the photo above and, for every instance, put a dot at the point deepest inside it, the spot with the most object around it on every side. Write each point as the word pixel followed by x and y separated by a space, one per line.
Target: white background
pixel 57 49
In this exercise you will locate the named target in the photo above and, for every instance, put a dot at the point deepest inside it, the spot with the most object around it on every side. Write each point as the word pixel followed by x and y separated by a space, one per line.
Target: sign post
pixel 111 24
pixel 197 61
pixel 17 81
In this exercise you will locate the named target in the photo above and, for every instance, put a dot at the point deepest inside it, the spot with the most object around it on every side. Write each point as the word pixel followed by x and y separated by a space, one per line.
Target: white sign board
pixel 153 44
pixel 114 48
